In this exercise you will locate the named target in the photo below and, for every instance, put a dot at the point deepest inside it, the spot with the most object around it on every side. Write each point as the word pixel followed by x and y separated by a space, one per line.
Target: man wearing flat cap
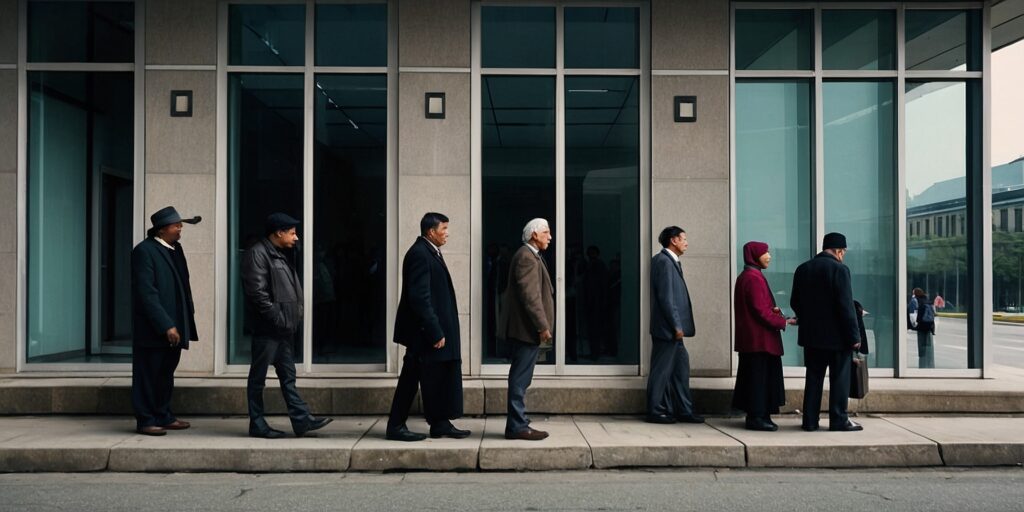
pixel 273 293
pixel 828 331
pixel 163 321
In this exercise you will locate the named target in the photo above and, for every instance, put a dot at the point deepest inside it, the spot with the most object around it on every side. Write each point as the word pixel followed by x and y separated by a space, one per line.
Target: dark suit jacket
pixel 671 309
pixel 161 297
pixel 427 310
pixel 528 304
pixel 823 302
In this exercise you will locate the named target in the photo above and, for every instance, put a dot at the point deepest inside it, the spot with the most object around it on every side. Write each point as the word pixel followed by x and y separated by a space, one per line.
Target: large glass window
pixel 858 39
pixel 80 216
pixel 943 40
pixel 774 165
pixel 267 35
pixel 517 37
pixel 264 176
pixel 776 40
pixel 518 181
pixel 860 180
pixel 938 162
pixel 602 179
pixel 343 258
pixel 598 37
pixel 352 34
pixel 350 205
pixel 81 31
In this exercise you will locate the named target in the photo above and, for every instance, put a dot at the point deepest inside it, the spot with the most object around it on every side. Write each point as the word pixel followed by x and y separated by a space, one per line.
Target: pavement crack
pixel 242 492
pixel 869 493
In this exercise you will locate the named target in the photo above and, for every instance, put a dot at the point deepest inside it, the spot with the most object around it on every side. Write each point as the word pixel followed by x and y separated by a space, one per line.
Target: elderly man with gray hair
pixel 525 322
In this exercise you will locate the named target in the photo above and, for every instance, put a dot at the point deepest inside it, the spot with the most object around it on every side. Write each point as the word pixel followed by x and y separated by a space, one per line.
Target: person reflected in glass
pixel 595 300
pixel 526 323
pixel 924 324
pixel 760 389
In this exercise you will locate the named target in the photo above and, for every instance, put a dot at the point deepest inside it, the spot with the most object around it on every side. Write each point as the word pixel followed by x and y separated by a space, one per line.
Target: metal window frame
pixel 981 214
pixel 138 70
pixel 389 367
pixel 560 368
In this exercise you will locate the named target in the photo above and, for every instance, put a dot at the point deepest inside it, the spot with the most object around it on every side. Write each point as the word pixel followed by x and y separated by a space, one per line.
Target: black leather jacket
pixel 273 290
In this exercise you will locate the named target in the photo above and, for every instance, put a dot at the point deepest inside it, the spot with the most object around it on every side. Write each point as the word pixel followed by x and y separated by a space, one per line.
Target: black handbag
pixel 858 378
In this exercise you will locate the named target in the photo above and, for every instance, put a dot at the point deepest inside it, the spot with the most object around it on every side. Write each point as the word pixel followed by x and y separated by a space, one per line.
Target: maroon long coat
pixel 758 328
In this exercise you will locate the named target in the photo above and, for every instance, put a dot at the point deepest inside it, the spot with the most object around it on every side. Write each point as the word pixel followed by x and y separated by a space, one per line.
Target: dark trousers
pixel 520 375
pixel 441 386
pixel 838 364
pixel 153 384
pixel 276 351
pixel 668 386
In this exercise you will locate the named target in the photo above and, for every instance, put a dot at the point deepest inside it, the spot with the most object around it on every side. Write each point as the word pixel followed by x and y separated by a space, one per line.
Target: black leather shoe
pixel 848 427
pixel 663 419
pixel 768 419
pixel 690 418
pixel 448 430
pixel 315 424
pixel 271 433
pixel 760 425
pixel 809 428
pixel 403 434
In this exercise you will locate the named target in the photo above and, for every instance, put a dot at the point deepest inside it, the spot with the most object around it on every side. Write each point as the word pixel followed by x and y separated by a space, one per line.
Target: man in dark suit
pixel 823 302
pixel 163 321
pixel 427 324
pixel 273 293
pixel 668 385
pixel 526 322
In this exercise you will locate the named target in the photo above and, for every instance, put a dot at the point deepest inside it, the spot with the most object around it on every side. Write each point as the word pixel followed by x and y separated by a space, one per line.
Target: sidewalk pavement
pixel 356 443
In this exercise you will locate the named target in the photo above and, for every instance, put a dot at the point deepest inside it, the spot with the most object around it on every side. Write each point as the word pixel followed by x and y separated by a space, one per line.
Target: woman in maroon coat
pixel 760 389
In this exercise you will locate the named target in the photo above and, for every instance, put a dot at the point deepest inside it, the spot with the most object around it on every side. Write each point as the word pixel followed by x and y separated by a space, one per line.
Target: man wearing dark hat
pixel 163 321
pixel 828 331
pixel 273 291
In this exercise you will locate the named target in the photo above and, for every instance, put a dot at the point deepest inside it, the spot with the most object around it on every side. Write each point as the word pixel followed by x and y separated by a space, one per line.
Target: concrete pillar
pixel 690 163
pixel 434 154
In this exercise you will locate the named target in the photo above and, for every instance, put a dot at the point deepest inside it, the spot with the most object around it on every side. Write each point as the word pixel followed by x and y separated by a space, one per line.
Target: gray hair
pixel 532 227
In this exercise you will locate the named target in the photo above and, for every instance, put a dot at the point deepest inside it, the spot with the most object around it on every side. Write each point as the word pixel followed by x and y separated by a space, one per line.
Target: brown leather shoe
pixel 177 425
pixel 152 430
pixel 528 435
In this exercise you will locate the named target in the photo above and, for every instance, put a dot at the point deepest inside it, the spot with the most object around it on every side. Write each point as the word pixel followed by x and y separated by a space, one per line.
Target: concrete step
pixel 617 395
pixel 356 443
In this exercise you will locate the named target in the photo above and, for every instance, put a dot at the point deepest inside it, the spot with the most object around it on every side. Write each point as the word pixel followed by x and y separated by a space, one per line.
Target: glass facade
pixel 80 210
pixel 344 255
pixel 859 121
pixel 856 156
pixel 520 172
pixel 939 129
pixel 81 31
pixel 774 168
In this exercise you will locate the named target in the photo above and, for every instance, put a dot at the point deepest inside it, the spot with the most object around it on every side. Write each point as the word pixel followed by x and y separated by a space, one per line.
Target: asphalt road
pixel 950 341
pixel 929 490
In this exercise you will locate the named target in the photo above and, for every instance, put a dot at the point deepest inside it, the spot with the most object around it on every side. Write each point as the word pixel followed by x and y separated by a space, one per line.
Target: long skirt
pixel 760 390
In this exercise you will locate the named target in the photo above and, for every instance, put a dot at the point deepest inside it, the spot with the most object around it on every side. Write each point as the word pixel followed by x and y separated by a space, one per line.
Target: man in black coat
pixel 427 324
pixel 273 292
pixel 823 301
pixel 163 321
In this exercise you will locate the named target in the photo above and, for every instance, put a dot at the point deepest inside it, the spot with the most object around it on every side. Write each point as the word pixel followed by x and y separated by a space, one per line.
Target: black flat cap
pixel 278 221
pixel 168 215
pixel 834 241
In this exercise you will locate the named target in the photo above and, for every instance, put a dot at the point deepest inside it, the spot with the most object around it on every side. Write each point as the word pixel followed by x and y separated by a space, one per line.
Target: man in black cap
pixel 163 321
pixel 273 291
pixel 823 301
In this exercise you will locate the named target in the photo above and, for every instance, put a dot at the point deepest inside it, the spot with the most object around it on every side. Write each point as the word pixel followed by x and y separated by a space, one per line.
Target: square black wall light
pixel 434 105
pixel 181 103
pixel 685 109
